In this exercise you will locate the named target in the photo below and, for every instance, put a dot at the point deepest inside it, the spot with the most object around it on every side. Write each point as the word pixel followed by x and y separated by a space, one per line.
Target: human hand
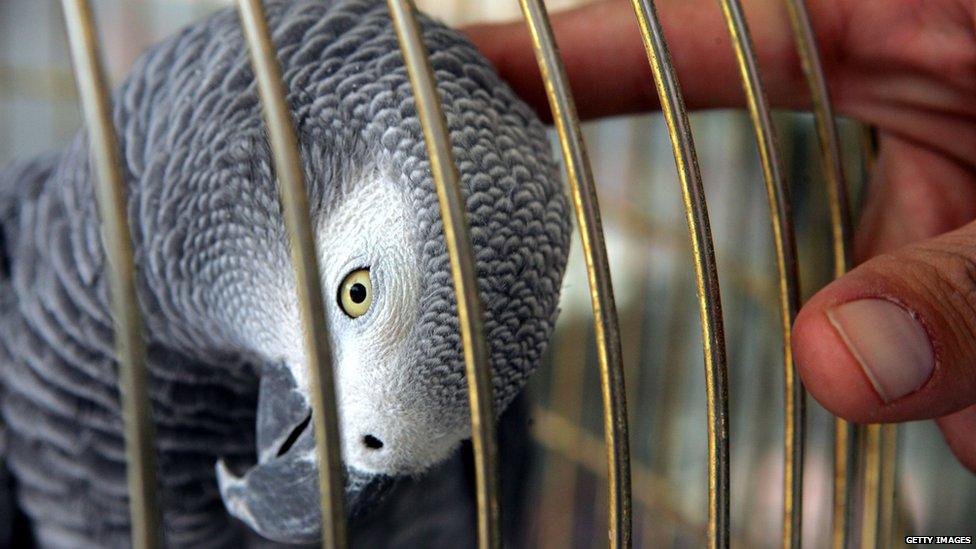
pixel 895 339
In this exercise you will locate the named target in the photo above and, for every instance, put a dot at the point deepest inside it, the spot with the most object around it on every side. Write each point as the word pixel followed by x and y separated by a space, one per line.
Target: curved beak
pixel 279 496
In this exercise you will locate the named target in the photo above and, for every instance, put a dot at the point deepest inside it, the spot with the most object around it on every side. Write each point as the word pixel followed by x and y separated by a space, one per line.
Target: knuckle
pixel 956 268
pixel 946 270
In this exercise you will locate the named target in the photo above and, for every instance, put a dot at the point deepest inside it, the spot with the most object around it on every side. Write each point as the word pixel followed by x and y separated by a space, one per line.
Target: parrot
pixel 228 379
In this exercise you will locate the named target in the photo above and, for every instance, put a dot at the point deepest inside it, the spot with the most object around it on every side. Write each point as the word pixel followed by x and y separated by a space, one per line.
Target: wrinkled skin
pixel 228 381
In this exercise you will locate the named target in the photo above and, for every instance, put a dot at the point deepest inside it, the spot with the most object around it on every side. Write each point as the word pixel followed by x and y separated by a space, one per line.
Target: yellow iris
pixel 356 293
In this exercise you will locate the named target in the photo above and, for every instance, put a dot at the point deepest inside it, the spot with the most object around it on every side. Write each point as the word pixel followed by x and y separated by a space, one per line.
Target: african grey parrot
pixel 228 377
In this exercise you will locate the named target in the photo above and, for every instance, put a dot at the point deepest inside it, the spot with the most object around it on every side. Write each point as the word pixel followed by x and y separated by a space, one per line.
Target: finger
pixel 915 193
pixel 959 430
pixel 895 339
pixel 608 68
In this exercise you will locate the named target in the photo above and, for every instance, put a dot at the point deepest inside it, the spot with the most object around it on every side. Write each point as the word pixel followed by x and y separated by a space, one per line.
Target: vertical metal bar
pixel 886 490
pixel 879 447
pixel 109 184
pixel 606 325
pixel 781 218
pixel 870 502
pixel 294 201
pixel 845 477
pixel 457 236
pixel 840 216
pixel 706 272
pixel 841 230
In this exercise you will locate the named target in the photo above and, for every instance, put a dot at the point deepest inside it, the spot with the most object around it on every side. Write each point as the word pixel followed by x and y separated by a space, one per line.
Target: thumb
pixel 895 339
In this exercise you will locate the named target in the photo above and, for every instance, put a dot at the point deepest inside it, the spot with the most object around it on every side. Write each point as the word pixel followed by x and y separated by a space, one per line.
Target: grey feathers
pixel 210 243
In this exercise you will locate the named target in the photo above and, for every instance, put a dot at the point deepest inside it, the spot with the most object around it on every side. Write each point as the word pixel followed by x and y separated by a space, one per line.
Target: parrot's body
pixel 228 381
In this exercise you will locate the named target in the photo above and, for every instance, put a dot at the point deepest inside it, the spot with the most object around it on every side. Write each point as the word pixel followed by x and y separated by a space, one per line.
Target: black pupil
pixel 357 293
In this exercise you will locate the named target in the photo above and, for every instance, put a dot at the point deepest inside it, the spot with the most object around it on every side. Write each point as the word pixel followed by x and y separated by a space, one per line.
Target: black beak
pixel 279 496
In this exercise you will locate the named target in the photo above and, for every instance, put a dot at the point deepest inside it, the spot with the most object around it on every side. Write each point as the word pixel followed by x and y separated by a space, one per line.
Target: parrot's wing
pixel 15 530
pixel 16 184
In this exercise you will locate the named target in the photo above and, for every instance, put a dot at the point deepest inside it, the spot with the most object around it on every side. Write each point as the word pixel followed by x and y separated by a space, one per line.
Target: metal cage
pixel 875 448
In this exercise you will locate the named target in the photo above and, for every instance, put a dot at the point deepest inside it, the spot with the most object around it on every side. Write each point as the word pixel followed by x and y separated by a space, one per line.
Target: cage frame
pixel 876 445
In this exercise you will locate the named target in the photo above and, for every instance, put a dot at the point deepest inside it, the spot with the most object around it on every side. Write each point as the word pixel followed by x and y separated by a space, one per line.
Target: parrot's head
pixel 385 271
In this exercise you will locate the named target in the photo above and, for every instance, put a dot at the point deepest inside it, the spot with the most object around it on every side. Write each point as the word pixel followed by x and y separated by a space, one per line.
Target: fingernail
pixel 889 343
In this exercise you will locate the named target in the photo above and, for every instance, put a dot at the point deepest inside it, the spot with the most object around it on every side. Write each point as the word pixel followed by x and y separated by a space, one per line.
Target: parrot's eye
pixel 356 293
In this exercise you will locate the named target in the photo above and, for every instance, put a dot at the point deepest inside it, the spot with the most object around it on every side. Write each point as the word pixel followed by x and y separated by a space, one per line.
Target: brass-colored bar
pixel 845 433
pixel 457 236
pixel 870 502
pixel 706 271
pixel 840 215
pixel 109 183
pixel 879 446
pixel 886 490
pixel 294 201
pixel 606 325
pixel 781 217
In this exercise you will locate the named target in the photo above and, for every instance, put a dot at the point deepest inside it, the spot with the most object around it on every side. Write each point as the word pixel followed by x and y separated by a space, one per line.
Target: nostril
pixel 372 442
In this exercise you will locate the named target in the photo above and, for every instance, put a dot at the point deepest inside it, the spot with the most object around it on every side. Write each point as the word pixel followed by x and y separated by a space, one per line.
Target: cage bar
pixel 109 183
pixel 294 199
pixel 784 241
pixel 458 239
pixel 871 486
pixel 886 488
pixel 879 444
pixel 845 433
pixel 579 174
pixel 706 271
pixel 877 447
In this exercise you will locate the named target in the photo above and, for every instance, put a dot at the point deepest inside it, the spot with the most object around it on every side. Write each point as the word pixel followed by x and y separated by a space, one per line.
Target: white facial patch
pixel 386 425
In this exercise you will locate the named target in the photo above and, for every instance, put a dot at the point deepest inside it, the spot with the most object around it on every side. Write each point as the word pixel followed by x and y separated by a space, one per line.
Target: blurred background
pixel 654 283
